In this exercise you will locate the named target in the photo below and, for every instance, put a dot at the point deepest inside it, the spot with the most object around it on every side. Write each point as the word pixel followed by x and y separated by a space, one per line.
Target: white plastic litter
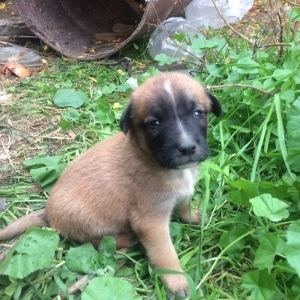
pixel 203 12
pixel 198 13
pixel 132 83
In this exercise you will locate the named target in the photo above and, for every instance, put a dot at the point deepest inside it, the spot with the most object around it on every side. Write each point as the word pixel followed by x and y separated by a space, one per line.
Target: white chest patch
pixel 184 185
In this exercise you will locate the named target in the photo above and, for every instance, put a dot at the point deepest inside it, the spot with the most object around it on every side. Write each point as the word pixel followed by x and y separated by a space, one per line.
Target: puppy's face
pixel 168 118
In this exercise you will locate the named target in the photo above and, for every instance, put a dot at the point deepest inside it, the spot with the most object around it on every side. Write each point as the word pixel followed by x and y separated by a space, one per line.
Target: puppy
pixel 128 185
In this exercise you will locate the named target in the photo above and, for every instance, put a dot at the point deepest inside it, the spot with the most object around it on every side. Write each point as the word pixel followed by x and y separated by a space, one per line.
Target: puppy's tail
pixel 35 219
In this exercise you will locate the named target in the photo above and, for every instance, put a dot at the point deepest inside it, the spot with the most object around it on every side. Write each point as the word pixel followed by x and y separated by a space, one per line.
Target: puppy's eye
pixel 199 114
pixel 153 124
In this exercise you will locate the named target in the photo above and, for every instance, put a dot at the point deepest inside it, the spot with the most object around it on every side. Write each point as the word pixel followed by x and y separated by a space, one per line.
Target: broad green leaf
pixel 293 246
pixel 280 74
pixel 103 111
pixel 110 288
pixel 180 37
pixel 257 84
pixel 293 118
pixel 247 66
pixel 123 87
pixel 269 84
pixel 270 245
pixel 272 208
pixel 293 159
pixel 294 14
pixel 85 259
pixel 267 187
pixel 243 190
pixel 218 135
pixel 175 229
pixel 163 59
pixel 230 237
pixel 293 135
pixel 108 89
pixel 33 252
pixel 47 175
pixel 201 43
pixel 105 117
pixel 45 170
pixel 12 288
pixel 107 246
pixel 72 115
pixel 261 283
pixel 106 251
pixel 288 95
pixel 70 97
pixel 43 160
pixel 68 276
pixel 215 69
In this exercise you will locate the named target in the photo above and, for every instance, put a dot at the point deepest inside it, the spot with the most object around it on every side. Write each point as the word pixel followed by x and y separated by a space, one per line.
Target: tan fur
pixel 117 188
pixel 24 223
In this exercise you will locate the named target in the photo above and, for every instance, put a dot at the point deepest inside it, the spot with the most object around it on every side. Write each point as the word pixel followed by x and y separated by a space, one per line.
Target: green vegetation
pixel 248 247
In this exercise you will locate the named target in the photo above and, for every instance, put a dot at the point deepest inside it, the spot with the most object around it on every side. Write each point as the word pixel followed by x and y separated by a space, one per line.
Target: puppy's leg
pixel 126 240
pixel 154 234
pixel 123 240
pixel 189 216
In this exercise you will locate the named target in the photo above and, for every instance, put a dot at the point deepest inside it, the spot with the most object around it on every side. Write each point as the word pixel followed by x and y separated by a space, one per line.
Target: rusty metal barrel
pixel 94 29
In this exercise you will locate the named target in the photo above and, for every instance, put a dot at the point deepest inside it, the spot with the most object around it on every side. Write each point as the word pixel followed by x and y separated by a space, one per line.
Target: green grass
pixel 247 248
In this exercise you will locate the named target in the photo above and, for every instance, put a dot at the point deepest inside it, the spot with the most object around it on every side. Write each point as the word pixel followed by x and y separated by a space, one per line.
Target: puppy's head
pixel 167 116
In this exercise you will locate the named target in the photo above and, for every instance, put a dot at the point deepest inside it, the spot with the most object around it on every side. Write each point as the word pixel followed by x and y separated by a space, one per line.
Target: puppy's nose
pixel 187 149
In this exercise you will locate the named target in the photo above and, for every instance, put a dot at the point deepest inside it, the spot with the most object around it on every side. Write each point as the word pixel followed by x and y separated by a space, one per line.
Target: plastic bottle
pixel 161 41
pixel 198 13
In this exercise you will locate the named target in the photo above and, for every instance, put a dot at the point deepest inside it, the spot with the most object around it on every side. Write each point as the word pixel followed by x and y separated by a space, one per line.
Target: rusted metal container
pixel 94 29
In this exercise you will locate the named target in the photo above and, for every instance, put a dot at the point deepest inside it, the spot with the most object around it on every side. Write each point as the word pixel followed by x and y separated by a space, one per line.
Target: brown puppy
pixel 128 185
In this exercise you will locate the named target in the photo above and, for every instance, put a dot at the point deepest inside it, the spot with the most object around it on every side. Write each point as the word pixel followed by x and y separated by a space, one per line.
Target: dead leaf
pixel 92 78
pixel 116 105
pixel 2 5
pixel 71 134
pixel 15 68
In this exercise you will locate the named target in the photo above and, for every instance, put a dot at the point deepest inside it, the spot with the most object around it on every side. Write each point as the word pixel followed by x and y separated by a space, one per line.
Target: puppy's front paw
pixel 176 284
pixel 190 216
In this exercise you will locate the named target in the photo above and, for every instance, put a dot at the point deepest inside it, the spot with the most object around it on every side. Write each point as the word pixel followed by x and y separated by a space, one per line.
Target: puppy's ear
pixel 125 121
pixel 216 107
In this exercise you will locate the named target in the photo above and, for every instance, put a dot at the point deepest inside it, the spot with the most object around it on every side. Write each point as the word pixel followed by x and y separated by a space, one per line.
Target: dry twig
pixel 235 31
pixel 239 85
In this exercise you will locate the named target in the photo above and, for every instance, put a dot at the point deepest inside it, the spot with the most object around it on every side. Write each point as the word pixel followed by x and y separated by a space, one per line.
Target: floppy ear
pixel 216 107
pixel 125 121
